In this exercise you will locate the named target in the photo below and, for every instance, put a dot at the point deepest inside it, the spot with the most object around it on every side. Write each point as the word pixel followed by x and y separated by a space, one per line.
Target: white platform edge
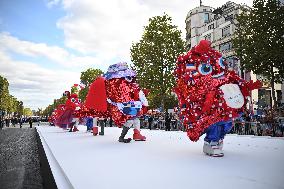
pixel 60 177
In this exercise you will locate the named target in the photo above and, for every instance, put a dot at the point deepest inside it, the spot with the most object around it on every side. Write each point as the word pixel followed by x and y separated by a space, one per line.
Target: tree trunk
pixel 273 103
pixel 163 102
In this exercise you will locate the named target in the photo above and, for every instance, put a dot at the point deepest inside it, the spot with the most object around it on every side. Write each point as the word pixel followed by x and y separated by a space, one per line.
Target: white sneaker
pixel 212 149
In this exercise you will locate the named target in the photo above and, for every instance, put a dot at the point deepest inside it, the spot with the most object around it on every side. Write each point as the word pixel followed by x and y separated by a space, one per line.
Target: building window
pixel 211 26
pixel 206 17
pixel 229 17
pixel 226 46
pixel 232 63
pixel 226 31
pixel 264 98
pixel 208 37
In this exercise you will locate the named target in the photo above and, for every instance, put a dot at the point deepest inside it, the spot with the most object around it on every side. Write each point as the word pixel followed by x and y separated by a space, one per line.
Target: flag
pixel 190 67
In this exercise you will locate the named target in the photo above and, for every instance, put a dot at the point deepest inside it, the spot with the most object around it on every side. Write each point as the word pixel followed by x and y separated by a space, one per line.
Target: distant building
pixel 218 26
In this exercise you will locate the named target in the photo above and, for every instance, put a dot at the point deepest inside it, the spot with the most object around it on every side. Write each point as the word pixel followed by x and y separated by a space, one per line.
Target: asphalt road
pixel 19 159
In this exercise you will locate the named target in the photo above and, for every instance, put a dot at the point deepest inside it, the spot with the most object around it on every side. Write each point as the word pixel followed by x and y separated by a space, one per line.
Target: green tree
pixel 170 101
pixel 28 112
pixel 74 90
pixel 154 57
pixel 20 108
pixel 12 104
pixel 259 41
pixel 4 93
pixel 48 110
pixel 9 103
pixel 87 77
pixel 39 112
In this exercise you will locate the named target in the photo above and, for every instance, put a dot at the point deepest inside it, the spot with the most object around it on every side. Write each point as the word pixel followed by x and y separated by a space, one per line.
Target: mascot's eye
pixel 73 100
pixel 205 69
pixel 128 78
pixel 79 100
pixel 221 63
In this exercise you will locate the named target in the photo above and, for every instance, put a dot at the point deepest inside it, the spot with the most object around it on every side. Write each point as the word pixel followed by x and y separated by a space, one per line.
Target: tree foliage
pixel 9 103
pixel 50 108
pixel 27 112
pixel 154 57
pixel 259 40
pixel 170 101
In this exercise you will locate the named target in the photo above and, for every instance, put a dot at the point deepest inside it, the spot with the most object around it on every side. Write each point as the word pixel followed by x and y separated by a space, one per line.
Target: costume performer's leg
pixel 64 126
pixel 213 142
pixel 101 122
pixel 76 123
pixel 137 135
pixel 89 124
pixel 71 126
pixel 125 129
pixel 95 126
pixel 226 128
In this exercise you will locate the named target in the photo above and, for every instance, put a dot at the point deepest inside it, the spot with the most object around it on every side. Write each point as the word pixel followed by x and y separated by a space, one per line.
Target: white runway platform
pixel 167 160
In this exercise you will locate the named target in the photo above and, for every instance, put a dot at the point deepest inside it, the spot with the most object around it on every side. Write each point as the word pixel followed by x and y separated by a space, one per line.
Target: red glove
pixel 254 85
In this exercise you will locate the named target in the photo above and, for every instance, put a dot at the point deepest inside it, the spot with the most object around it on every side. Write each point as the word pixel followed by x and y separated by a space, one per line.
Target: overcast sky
pixel 46 44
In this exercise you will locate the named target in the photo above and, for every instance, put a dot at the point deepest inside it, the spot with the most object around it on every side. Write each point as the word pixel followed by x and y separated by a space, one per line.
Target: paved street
pixel 19 159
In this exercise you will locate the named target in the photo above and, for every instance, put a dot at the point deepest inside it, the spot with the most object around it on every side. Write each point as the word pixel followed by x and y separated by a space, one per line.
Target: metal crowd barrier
pixel 239 127
pixel 258 129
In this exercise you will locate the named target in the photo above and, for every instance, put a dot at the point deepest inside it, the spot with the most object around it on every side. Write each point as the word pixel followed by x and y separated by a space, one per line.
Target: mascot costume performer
pixel 69 116
pixel 58 111
pixel 118 96
pixel 209 95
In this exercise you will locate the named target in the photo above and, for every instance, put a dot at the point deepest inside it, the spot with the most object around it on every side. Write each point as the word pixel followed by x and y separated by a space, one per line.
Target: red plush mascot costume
pixel 58 111
pixel 69 115
pixel 117 94
pixel 209 95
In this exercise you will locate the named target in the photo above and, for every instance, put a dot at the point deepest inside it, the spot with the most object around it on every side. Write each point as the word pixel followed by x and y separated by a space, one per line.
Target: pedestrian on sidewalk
pixel 168 121
pixel 31 122
pixel 150 121
pixel 110 122
pixel 7 121
pixel 21 122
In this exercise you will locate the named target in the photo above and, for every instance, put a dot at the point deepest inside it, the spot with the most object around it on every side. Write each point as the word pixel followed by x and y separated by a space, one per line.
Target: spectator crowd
pixel 247 124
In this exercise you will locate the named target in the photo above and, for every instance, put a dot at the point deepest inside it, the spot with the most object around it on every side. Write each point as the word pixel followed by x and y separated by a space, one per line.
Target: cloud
pixel 51 3
pixel 101 27
pixel 53 53
pixel 109 27
pixel 34 85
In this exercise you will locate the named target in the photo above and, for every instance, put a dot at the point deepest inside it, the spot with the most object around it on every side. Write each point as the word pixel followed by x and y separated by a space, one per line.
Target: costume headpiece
pixel 119 70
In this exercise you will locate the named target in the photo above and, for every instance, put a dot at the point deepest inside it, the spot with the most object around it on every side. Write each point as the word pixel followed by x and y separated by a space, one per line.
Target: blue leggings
pixel 217 131
pixel 89 123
